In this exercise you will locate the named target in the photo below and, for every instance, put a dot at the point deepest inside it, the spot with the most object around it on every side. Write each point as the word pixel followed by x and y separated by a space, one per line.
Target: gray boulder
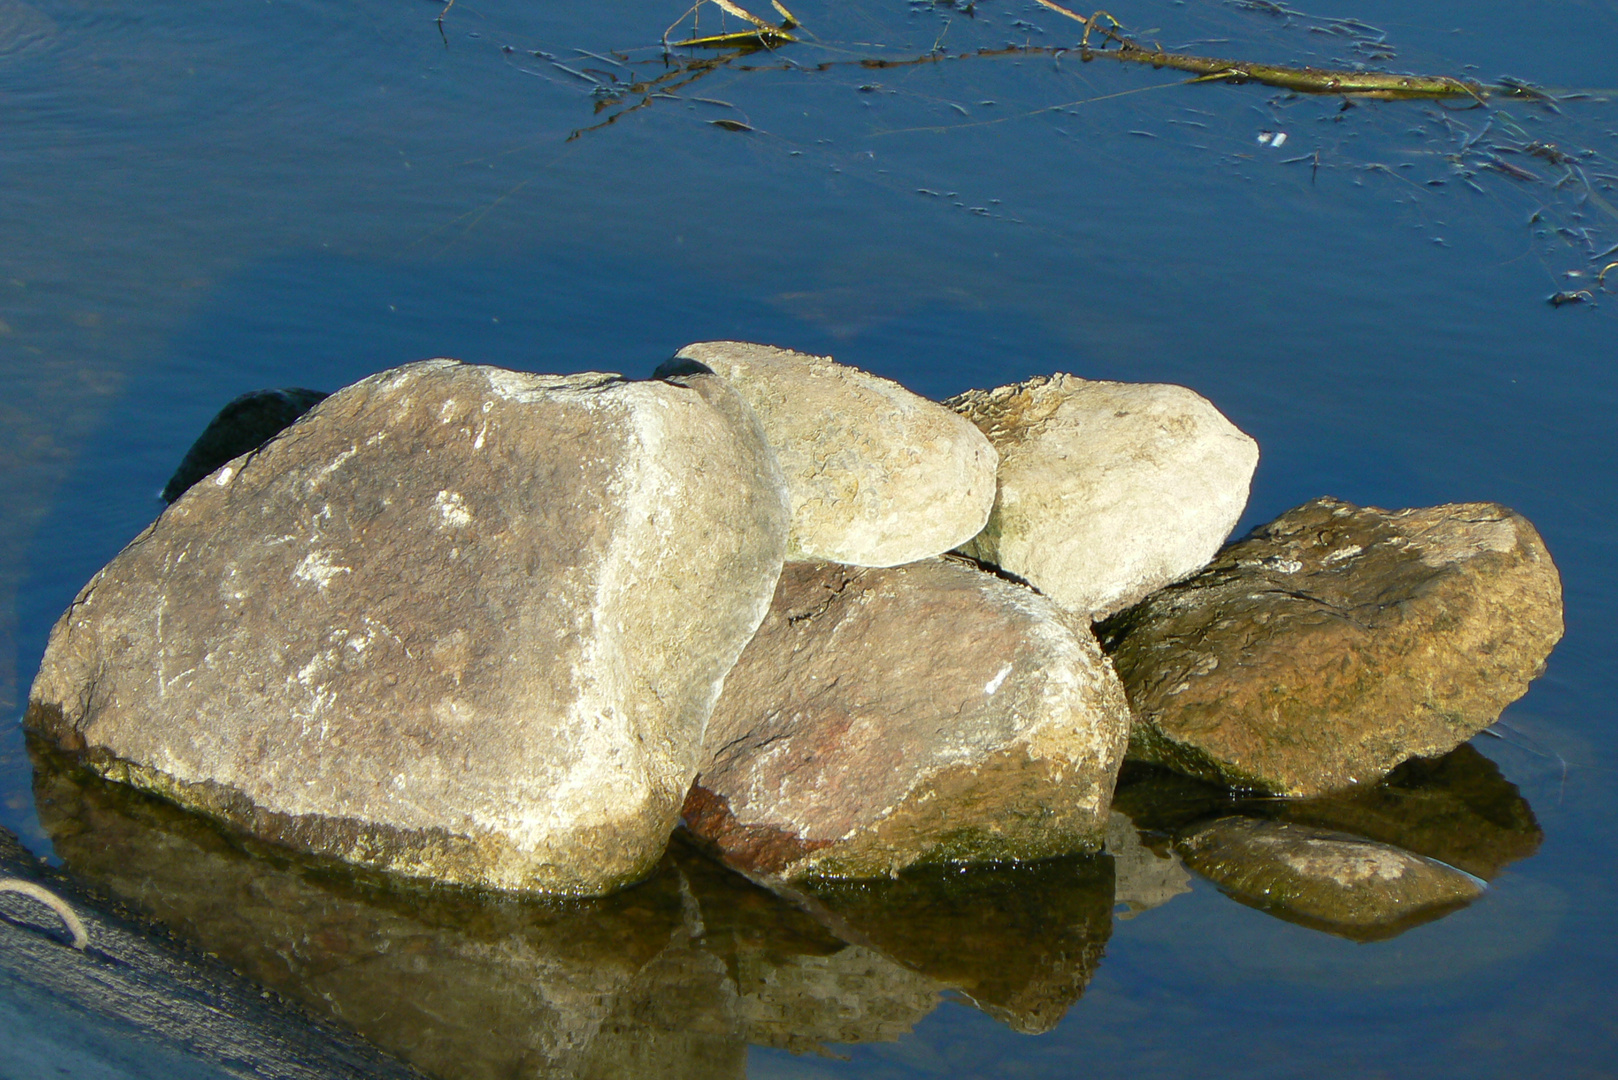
pixel 877 475
pixel 1338 641
pixel 922 713
pixel 458 622
pixel 1324 879
pixel 1108 490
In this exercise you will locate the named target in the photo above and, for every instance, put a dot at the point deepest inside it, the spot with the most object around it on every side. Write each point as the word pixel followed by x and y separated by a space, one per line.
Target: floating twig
pixel 52 901
pixel 1305 80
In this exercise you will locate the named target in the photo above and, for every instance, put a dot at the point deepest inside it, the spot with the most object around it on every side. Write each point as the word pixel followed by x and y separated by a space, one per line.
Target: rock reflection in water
pixel 1456 809
pixel 672 978
pixel 1020 941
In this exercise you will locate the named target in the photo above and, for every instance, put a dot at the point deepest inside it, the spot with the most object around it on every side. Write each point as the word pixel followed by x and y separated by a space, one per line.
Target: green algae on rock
pixel 1336 642
pixel 1327 880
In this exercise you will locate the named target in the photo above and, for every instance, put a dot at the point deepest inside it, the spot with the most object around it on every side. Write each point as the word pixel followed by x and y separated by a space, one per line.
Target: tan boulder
pixel 922 713
pixel 1338 641
pixel 457 622
pixel 877 475
pixel 1107 490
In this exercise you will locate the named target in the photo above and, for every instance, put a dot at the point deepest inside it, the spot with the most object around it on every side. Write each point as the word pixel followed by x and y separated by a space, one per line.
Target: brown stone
pixel 1457 809
pixel 457 622
pixel 1336 642
pixel 923 713
pixel 1324 879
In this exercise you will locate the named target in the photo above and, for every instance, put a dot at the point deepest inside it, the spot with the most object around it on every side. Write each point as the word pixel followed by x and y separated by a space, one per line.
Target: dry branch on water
pixel 1110 42
pixel 1304 80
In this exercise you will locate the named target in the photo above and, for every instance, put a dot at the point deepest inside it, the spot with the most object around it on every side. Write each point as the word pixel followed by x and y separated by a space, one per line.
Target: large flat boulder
pixel 926 713
pixel 1338 641
pixel 1108 490
pixel 878 476
pixel 457 622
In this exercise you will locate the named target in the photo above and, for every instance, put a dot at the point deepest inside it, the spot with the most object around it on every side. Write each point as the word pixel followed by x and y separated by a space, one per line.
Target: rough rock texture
pixel 1336 642
pixel 242 426
pixel 1325 879
pixel 877 475
pixel 458 622
pixel 923 713
pixel 1108 490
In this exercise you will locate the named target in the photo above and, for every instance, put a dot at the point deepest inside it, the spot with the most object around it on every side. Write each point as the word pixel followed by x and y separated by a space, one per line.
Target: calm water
pixel 204 199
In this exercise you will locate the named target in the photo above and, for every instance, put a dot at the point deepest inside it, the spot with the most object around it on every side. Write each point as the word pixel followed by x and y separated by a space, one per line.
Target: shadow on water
pixel 674 977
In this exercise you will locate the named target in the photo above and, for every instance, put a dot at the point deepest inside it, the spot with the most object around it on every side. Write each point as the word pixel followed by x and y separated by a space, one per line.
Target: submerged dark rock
pixel 1336 642
pixel 242 426
pixel 1327 880
pixel 1457 809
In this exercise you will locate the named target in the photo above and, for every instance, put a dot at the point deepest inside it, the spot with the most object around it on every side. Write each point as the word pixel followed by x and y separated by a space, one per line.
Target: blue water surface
pixel 205 199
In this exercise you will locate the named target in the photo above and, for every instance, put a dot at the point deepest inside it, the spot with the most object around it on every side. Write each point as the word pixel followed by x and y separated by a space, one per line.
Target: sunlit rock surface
pixel 457 622
pixel 923 713
pixel 671 978
pixel 1325 879
pixel 878 476
pixel 242 426
pixel 1338 641
pixel 1107 490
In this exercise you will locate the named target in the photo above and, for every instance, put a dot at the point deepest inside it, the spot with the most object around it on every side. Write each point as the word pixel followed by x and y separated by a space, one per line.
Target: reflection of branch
pixel 687 73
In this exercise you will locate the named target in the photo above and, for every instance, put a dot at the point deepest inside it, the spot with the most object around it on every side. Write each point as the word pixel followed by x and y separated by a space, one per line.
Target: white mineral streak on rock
pixel 318 569
pixel 545 626
pixel 1107 491
pixel 877 475
pixel 452 509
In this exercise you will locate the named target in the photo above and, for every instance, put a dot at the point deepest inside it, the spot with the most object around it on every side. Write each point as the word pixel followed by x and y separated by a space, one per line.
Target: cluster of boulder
pixel 676 977
pixel 511 630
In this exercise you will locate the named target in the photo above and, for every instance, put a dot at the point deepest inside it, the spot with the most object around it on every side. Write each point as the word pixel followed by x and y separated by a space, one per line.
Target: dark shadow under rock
pixel 243 425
